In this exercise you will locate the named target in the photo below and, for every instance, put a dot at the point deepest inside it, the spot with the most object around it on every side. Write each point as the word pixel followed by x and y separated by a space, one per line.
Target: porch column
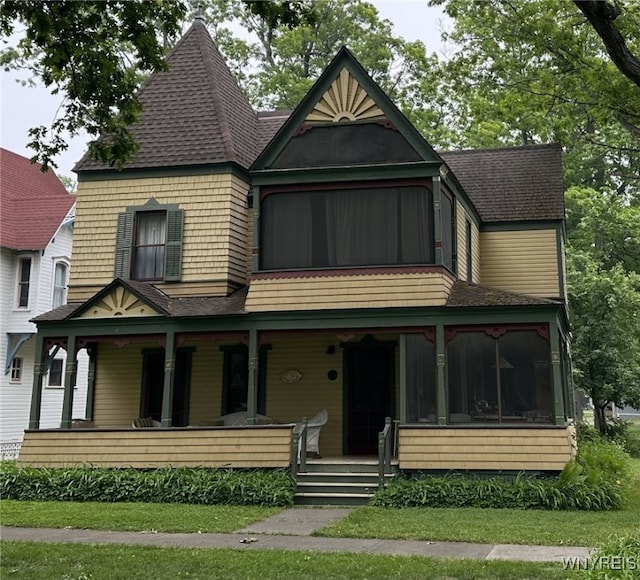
pixel 252 380
pixel 38 376
pixel 92 351
pixel 557 374
pixel 69 382
pixel 403 379
pixel 440 368
pixel 169 370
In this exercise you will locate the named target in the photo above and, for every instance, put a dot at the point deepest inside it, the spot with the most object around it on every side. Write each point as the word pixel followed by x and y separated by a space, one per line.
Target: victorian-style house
pixel 266 266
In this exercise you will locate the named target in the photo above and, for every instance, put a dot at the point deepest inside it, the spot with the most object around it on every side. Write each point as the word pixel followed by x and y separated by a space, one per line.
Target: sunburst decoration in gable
pixel 119 302
pixel 345 100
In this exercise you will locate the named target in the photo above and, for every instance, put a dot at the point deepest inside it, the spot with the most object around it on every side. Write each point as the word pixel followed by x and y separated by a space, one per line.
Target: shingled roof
pixel 33 204
pixel 193 114
pixel 511 183
pixel 465 295
pixel 184 307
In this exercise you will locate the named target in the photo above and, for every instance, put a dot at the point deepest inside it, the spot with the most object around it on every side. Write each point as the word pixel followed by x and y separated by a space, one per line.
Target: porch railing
pixel 387 449
pixel 299 449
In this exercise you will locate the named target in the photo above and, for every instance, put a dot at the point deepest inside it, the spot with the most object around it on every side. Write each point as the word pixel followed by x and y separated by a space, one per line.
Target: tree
pixel 96 53
pixel 533 71
pixel 604 306
pixel 277 67
pixel 93 53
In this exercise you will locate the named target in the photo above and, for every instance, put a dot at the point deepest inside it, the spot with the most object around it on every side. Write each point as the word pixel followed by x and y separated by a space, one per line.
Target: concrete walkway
pixel 291 530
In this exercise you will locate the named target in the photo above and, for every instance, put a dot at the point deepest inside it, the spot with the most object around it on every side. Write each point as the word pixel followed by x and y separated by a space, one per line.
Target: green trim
pixel 437 220
pixel 69 382
pixel 441 369
pixel 402 355
pixel 169 372
pixel 255 258
pixel 38 376
pixel 417 317
pixel 252 377
pixel 556 354
pixel 561 255
pixel 459 194
pixel 178 171
pixel 347 173
pixel 344 59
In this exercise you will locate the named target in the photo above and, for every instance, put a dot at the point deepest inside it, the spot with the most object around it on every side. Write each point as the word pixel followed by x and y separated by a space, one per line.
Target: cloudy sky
pixel 24 107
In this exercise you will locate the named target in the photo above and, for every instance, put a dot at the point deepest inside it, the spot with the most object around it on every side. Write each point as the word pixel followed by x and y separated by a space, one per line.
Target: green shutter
pixel 124 239
pixel 173 256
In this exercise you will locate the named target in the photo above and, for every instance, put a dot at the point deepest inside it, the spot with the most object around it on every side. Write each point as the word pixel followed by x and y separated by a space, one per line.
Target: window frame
pixel 61 361
pixel 126 227
pixel 21 284
pixel 16 371
pixel 61 289
pixel 496 333
pixel 321 188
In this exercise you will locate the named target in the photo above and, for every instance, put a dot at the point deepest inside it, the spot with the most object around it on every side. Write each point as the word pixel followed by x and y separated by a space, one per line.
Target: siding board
pixel 486 448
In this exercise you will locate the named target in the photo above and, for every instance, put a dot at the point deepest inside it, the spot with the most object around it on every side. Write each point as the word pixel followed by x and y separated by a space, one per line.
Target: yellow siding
pixel 118 380
pixel 486 448
pixel 524 261
pixel 350 291
pixel 214 447
pixel 206 382
pixel 214 247
pixel 461 240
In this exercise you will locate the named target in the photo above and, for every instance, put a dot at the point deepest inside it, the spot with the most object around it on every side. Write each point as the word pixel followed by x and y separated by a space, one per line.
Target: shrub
pixel 595 481
pixel 163 485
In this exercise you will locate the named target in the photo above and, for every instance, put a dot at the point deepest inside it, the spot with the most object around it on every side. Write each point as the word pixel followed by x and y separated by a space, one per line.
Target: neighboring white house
pixel 36 231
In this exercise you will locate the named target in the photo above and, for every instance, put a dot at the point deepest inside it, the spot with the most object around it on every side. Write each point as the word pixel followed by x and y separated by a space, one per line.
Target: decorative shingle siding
pixel 349 291
pixel 524 261
pixel 214 248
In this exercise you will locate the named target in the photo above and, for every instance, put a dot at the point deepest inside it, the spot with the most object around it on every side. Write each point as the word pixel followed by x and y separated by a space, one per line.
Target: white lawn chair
pixel 313 431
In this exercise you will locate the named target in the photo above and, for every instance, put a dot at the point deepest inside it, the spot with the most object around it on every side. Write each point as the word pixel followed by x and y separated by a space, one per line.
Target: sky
pixel 23 107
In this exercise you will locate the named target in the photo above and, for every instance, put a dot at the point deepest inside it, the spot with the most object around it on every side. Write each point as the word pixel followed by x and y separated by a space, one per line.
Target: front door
pixel 153 386
pixel 370 389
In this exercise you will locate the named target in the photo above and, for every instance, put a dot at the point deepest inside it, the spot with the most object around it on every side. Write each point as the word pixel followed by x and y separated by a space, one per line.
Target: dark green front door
pixel 370 390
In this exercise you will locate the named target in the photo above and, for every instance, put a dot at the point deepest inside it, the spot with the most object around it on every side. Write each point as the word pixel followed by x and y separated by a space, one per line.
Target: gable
pixel 345 119
pixel 118 302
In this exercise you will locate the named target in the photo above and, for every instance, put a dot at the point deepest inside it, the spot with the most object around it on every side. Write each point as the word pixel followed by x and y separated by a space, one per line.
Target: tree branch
pixel 601 15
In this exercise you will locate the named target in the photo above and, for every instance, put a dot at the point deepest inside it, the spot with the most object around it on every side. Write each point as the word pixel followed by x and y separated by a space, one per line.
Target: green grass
pixel 21 560
pixel 505 526
pixel 131 516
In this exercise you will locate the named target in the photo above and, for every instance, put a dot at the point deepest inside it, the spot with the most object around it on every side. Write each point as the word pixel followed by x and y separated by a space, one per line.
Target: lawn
pixel 503 526
pixel 131 517
pixel 80 562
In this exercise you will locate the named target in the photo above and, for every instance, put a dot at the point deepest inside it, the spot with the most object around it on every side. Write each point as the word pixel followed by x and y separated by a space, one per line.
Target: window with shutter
pixel 149 243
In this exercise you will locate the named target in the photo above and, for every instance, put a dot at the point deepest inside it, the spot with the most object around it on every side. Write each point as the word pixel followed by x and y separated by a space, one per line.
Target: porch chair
pixel 313 431
pixel 142 422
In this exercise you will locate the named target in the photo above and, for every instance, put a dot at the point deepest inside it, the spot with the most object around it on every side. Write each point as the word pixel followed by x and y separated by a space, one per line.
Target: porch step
pixel 338 482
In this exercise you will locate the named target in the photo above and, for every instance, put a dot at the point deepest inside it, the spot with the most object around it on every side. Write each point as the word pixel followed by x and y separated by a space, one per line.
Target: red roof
pixel 33 204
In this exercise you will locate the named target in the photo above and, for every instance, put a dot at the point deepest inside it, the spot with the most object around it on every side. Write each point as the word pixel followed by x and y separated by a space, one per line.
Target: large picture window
pixel 343 228
pixel 499 377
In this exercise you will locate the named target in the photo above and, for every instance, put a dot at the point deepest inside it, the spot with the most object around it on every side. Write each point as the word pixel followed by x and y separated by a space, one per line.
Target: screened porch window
pixel 343 228
pixel 149 249
pixel 420 357
pixel 502 379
